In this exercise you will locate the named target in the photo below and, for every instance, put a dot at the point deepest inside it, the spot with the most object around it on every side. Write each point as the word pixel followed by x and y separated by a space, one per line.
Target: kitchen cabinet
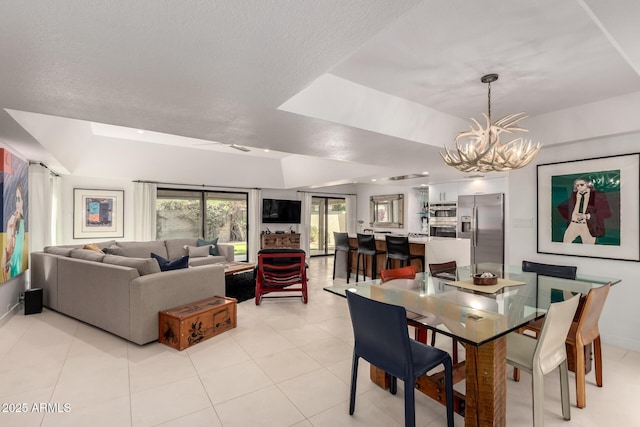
pixel 439 193
pixel 482 186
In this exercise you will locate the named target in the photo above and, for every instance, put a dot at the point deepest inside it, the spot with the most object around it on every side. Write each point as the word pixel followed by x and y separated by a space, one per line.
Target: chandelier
pixel 480 149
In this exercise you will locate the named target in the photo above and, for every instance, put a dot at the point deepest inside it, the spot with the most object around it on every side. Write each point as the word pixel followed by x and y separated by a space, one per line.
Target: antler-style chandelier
pixel 480 149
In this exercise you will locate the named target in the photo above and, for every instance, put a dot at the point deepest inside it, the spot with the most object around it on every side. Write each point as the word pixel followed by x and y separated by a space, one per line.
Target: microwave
pixel 443 210
pixel 442 230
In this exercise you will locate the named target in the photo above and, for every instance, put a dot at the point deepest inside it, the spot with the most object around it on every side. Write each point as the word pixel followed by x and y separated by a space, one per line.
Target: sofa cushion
pixel 176 247
pixel 213 249
pixel 195 262
pixel 174 264
pixel 57 250
pixel 87 254
pixel 197 251
pixel 143 265
pixel 143 249
pixel 113 250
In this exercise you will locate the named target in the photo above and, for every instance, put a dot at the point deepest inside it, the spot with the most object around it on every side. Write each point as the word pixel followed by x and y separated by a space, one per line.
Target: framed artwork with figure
pixel 590 207
pixel 98 213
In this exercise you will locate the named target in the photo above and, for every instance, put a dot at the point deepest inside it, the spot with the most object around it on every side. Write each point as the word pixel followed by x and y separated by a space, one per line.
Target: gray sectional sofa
pixel 123 293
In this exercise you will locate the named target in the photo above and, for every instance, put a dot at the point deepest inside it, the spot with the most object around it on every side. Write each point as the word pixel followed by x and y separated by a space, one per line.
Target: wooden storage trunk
pixel 184 326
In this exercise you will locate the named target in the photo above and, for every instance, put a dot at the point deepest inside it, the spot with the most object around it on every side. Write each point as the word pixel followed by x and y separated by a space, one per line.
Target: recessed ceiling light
pixel 425 173
pixel 373 179
pixel 140 131
pixel 266 150
pixel 423 185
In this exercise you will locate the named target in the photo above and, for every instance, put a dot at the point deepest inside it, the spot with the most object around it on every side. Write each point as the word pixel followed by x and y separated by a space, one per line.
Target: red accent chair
pixel 279 270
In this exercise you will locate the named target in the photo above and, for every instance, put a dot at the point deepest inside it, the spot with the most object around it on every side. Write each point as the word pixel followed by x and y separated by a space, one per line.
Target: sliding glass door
pixel 209 214
pixel 328 214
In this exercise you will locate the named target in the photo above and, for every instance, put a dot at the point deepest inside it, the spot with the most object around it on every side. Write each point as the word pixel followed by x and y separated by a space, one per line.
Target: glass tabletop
pixel 452 305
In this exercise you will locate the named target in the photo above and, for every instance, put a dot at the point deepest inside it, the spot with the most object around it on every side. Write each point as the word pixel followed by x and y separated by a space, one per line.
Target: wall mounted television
pixel 276 211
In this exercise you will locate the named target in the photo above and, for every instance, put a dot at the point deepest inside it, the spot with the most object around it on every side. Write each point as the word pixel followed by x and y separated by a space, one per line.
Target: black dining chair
pixel 367 247
pixel 380 338
pixel 341 244
pixel 561 271
pixel 398 249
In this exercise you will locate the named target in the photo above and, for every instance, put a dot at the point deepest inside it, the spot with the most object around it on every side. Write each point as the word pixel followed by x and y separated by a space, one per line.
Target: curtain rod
pixel 194 185
pixel 330 194
pixel 31 162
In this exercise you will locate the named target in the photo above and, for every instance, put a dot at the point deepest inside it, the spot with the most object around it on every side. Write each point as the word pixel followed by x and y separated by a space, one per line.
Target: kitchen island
pixel 433 249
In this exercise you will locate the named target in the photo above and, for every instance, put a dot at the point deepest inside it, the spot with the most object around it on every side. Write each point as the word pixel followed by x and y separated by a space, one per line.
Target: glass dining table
pixel 479 317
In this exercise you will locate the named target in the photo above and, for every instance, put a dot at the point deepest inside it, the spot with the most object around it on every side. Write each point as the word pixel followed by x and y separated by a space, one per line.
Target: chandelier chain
pixel 489 102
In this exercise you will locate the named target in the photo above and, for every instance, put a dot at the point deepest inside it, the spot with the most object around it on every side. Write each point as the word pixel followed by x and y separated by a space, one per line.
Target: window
pixel 208 214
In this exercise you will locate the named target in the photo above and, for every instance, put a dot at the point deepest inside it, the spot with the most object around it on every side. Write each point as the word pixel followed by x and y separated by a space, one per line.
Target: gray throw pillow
pixel 197 251
pixel 213 250
pixel 113 250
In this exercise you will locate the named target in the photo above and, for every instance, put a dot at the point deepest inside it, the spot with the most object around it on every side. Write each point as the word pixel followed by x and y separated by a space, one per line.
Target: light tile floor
pixel 286 364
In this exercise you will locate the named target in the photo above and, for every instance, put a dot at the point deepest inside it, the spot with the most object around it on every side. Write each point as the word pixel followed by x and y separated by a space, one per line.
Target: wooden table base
pixel 485 372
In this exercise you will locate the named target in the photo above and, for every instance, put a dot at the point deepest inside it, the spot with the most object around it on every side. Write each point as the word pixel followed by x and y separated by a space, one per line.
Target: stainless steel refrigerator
pixel 481 219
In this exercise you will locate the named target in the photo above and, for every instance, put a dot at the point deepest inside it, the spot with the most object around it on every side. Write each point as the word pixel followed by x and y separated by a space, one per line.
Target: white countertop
pixel 422 240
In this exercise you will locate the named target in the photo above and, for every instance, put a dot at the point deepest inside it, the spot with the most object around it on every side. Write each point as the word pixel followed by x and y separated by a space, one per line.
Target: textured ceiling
pixel 378 85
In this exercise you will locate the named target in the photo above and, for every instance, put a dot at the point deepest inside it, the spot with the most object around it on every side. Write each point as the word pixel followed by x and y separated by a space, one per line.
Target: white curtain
pixel 352 214
pixel 56 210
pixel 44 202
pixel 305 224
pixel 255 219
pixel 144 207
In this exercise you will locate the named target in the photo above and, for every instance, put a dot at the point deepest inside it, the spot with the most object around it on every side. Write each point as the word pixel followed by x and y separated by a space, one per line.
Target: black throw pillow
pixel 174 264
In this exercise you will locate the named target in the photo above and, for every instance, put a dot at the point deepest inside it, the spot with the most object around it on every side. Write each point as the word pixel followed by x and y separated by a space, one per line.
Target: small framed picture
pixel 590 207
pixel 98 213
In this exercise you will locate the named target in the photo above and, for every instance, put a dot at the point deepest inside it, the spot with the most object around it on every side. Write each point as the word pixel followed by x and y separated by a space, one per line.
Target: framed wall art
pixel 590 207
pixel 14 216
pixel 98 213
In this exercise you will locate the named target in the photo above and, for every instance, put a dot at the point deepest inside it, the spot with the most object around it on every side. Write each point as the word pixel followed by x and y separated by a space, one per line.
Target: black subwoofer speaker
pixel 33 301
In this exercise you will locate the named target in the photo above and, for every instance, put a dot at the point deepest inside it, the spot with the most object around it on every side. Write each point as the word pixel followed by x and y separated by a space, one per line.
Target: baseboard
pixel 9 314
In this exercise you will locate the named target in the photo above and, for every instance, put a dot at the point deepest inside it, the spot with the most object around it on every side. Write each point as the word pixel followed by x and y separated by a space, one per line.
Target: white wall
pixel 619 324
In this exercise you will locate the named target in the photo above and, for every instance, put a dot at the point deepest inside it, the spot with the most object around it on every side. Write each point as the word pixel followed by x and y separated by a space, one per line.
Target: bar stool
pixel 367 247
pixel 398 248
pixel 341 244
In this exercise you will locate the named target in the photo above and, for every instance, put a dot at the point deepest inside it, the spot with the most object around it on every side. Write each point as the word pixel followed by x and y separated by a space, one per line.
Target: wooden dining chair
pixel 543 355
pixel 380 338
pixel 584 331
pixel 408 272
pixel 550 270
pixel 449 268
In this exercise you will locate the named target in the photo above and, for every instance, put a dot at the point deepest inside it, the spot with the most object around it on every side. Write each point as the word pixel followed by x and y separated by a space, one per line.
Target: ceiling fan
pixel 235 146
